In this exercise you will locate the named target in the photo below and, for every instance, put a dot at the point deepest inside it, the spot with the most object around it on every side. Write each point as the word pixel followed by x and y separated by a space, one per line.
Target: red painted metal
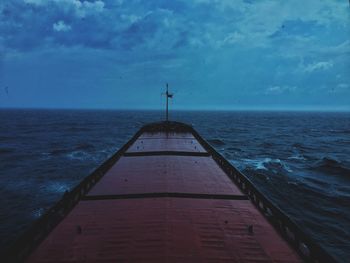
pixel 164 135
pixel 164 230
pixel 152 174
pixel 164 144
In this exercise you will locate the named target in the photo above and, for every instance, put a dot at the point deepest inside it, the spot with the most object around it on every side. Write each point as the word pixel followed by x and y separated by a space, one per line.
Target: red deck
pixel 154 174
pixel 166 144
pixel 164 229
pixel 168 135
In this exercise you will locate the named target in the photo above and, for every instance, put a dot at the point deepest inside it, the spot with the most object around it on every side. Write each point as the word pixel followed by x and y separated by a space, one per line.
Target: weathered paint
pixel 166 135
pixel 164 229
pixel 166 144
pixel 152 174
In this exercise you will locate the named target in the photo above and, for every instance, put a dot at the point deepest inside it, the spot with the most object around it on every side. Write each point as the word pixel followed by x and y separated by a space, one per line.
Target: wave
pixel 39 212
pixel 331 166
pixel 6 150
pixel 5 138
pixel 86 156
pixel 339 131
pixel 300 146
pixel 297 157
pixel 79 155
pixel 267 164
pixel 81 152
pixel 266 145
pixel 84 146
pixel 57 187
pixel 78 148
pixel 216 142
pixel 234 149
pixel 59 151
pixel 77 129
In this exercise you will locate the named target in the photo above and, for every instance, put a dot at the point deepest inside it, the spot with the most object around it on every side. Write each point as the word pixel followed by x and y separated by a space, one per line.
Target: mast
pixel 168 95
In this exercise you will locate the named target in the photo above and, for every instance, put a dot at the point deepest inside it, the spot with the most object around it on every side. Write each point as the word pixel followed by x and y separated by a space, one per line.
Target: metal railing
pixel 301 242
pixel 290 231
pixel 37 232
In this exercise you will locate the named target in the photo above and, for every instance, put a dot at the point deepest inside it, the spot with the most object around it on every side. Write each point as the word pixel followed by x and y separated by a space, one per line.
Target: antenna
pixel 167 95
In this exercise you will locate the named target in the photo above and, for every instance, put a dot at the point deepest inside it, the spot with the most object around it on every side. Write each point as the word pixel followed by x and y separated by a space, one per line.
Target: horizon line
pixel 247 109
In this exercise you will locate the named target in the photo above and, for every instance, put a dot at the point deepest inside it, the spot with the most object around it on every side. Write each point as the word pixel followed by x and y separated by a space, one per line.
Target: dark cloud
pixel 237 48
pixel 25 26
pixel 139 31
pixel 176 6
pixel 298 28
pixel 30 24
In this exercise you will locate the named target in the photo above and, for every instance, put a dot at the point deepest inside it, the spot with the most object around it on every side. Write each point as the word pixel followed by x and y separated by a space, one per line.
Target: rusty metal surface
pixel 166 226
pixel 164 144
pixel 166 135
pixel 152 174
pixel 164 230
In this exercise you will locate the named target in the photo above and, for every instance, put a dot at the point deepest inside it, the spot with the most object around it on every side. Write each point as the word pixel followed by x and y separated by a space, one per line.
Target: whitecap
pixel 45 156
pixel 57 187
pixel 93 156
pixel 257 164
pixel 37 213
pixel 263 164
pixel 79 155
pixel 297 157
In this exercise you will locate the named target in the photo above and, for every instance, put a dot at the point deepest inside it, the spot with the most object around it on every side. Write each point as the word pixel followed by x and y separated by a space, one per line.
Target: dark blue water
pixel 300 160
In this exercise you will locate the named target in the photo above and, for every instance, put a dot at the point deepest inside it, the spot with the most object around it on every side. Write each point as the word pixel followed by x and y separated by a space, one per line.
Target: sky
pixel 215 54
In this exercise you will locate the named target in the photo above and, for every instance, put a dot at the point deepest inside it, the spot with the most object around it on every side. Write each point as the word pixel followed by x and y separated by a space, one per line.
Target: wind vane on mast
pixel 168 96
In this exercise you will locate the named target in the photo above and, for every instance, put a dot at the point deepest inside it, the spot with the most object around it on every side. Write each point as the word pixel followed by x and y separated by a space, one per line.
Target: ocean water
pixel 300 160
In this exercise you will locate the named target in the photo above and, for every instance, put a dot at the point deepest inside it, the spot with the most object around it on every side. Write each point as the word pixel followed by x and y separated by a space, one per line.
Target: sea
pixel 299 160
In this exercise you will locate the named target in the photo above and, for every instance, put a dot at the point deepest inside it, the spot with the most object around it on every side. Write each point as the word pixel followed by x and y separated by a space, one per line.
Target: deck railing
pixel 30 239
pixel 296 237
pixel 306 247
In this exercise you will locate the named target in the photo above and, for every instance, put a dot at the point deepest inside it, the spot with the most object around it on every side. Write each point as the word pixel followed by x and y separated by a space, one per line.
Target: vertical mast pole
pixel 167 98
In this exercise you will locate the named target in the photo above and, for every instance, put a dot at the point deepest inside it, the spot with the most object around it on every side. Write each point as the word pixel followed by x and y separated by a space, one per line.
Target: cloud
pixel 36 2
pixel 318 66
pixel 233 38
pixel 79 8
pixel 218 43
pixel 192 24
pixel 89 8
pixel 130 18
pixel 60 26
pixel 343 86
pixel 276 90
pixel 342 49
pixel 250 45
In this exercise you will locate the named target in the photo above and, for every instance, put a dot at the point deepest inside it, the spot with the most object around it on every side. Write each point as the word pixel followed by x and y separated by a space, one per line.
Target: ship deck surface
pixel 171 207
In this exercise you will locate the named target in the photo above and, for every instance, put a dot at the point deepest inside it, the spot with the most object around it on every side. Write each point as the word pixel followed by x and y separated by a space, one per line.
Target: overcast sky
pixel 215 54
